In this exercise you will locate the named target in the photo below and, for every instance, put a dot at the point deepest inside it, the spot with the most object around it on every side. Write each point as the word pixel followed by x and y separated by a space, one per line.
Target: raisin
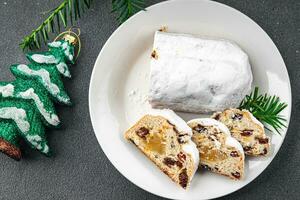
pixel 265 151
pixel 142 132
pixel 169 161
pixel 217 116
pixel 237 116
pixel 236 175
pixel 263 140
pixel 206 167
pixel 154 54
pixel 247 132
pixel 179 164
pixel 216 168
pixel 211 138
pixel 234 154
pixel 183 178
pixel 181 138
pixel 181 156
pixel 199 128
pixel 247 148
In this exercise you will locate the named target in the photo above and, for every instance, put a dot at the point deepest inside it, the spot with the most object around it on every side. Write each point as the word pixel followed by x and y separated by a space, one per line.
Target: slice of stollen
pixel 219 152
pixel 166 140
pixel 246 129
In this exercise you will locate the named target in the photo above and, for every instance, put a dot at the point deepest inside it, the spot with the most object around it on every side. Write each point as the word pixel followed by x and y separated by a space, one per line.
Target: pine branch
pixel 126 8
pixel 64 14
pixel 265 108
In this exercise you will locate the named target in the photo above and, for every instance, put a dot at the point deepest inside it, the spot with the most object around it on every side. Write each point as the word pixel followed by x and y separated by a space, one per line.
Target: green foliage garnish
pixel 126 8
pixel 65 13
pixel 69 11
pixel 265 108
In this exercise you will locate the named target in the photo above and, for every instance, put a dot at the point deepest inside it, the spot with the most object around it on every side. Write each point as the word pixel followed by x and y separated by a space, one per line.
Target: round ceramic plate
pixel 119 85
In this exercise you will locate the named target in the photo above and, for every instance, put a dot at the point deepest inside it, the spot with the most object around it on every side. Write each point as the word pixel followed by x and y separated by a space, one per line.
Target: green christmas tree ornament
pixel 26 103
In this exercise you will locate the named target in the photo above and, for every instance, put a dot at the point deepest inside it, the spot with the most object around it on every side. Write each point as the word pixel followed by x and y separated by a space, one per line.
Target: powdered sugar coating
pixel 174 119
pixel 197 74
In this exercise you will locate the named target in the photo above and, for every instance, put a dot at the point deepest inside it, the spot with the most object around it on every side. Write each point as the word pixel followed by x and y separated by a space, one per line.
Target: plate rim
pixel 170 2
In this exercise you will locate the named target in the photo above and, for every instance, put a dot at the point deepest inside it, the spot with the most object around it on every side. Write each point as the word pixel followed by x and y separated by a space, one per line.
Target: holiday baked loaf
pixel 196 74
pixel 246 129
pixel 166 140
pixel 219 152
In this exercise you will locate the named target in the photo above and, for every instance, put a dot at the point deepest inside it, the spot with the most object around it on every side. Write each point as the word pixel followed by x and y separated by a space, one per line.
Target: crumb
pixel 145 98
pixel 132 92
pixel 163 29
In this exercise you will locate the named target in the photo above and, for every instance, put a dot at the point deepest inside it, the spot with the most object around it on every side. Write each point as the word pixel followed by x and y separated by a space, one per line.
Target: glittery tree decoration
pixel 26 103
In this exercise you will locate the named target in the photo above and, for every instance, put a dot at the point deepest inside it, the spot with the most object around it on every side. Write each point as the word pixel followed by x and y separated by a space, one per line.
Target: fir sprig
pixel 65 13
pixel 69 11
pixel 126 8
pixel 265 108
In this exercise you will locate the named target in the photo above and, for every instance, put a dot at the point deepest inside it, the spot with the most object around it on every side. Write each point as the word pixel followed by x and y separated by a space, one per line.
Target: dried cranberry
pixel 183 178
pixel 263 140
pixel 199 128
pixel 236 175
pixel 181 156
pixel 169 161
pixel 234 154
pixel 142 132
pixel 247 132
pixel 237 116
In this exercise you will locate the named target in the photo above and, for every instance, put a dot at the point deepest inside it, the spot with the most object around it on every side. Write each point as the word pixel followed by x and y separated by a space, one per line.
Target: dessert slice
pixel 219 152
pixel 166 140
pixel 246 129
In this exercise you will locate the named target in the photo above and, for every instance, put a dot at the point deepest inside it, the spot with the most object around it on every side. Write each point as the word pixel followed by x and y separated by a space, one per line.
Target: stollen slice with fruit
pixel 219 152
pixel 165 139
pixel 246 129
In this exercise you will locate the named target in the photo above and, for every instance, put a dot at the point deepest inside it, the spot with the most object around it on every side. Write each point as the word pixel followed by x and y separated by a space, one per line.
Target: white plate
pixel 122 68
